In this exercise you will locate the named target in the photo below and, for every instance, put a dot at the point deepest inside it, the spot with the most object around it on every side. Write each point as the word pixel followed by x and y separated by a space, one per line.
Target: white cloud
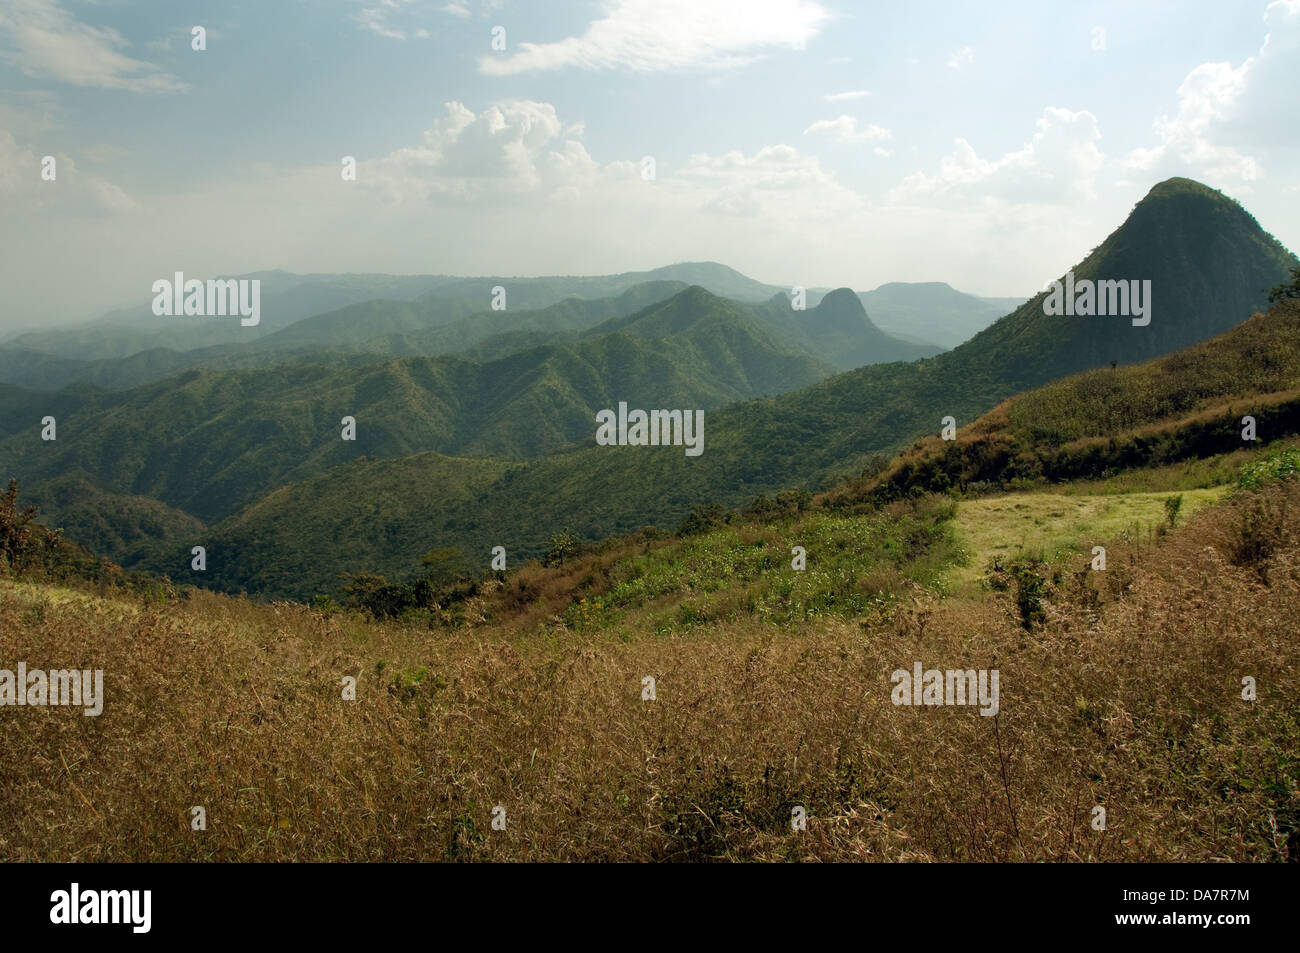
pixel 377 16
pixel 654 35
pixel 508 148
pixel 845 129
pixel 520 151
pixel 510 189
pixel 72 191
pixel 1228 117
pixel 963 57
pixel 43 40
pixel 1059 164
pixel 776 181
pixel 851 94
pixel 461 8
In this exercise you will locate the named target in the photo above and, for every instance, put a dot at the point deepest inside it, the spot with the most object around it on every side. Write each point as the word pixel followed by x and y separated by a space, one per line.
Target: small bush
pixel 1030 585
pixel 1257 535
pixel 1278 465
pixel 702 519
pixel 1172 505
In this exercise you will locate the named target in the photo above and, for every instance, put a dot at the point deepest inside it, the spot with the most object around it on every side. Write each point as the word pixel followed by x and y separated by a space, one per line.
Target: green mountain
pixel 42 371
pixel 838 331
pixel 209 442
pixel 287 299
pixel 137 530
pixel 357 333
pixel 408 507
pixel 497 333
pixel 1209 263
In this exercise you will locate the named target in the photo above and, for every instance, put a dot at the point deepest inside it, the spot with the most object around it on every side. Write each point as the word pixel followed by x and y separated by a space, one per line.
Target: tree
pixel 442 565
pixel 17 537
pixel 381 598
pixel 1285 290
pixel 563 545
pixel 702 518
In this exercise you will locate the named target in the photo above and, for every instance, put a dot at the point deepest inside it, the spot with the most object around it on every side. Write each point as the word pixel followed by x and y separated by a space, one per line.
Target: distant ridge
pixel 394 303
pixel 933 311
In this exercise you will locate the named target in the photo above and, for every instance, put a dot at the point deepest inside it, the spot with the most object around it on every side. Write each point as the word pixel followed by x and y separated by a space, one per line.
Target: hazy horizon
pixel 796 141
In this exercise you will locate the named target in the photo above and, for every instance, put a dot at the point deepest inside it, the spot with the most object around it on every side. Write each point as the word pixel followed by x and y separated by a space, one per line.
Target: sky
pixel 802 142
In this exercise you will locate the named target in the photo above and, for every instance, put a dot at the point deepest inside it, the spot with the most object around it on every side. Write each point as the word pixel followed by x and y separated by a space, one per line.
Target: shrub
pixel 1030 585
pixel 790 502
pixel 703 518
pixel 442 565
pixel 1172 505
pixel 1278 465
pixel 1257 535
pixel 381 598
pixel 324 603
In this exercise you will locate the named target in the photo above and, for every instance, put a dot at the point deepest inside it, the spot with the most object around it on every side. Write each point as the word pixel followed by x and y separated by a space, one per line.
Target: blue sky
pixel 801 141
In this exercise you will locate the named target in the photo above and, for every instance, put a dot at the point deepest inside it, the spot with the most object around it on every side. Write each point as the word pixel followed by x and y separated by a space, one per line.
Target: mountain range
pixel 450 320
pixel 816 436
pixel 474 427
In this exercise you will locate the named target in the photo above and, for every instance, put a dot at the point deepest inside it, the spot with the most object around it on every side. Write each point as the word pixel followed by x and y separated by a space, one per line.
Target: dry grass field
pixel 1126 695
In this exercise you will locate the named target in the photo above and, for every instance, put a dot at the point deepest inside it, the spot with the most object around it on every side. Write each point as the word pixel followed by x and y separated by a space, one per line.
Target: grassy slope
pixel 1185 406
pixel 1128 696
pixel 1051 525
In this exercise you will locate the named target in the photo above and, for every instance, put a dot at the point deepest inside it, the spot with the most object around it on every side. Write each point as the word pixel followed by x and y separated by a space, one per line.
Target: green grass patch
pixel 1046 525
